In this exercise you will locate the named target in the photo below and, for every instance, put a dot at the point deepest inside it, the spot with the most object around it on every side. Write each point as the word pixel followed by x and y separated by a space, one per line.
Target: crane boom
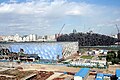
pixel 61 28
pixel 117 28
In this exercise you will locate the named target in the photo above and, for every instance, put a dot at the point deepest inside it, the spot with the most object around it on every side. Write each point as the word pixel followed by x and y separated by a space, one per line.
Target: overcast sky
pixel 46 17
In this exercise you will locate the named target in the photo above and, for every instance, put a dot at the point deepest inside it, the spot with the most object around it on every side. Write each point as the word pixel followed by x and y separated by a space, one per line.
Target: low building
pixel 99 61
pixel 99 76
pixel 82 74
pixel 29 57
pixel 118 74
pixel 89 63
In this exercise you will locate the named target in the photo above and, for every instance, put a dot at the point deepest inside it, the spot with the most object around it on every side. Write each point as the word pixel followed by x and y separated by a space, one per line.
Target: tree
pixel 118 54
pixel 88 39
pixel 110 56
pixel 116 60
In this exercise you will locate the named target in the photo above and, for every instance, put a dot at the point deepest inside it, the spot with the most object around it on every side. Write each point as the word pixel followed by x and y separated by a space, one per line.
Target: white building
pixel 31 37
pixel 17 38
pixel 47 38
pixel 82 74
pixel 115 36
pixel 102 63
pixel 40 38
pixel 50 38
pixel 25 38
pixel 34 37
pixel 8 38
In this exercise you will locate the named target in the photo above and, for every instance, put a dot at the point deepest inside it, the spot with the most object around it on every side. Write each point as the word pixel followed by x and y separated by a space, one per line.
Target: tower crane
pixel 61 30
pixel 117 29
pixel 118 34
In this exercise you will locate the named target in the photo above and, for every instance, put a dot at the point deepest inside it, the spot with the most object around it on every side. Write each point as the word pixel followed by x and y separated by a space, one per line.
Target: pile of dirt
pixel 42 75
pixel 17 74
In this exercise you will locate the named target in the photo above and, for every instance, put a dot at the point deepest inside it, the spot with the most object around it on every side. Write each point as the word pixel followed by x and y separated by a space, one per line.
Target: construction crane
pixel 117 28
pixel 61 29
pixel 118 34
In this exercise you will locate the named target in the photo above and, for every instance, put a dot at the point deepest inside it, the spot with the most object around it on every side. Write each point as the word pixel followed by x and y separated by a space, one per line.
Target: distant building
pixel 34 36
pixel 115 36
pixel 58 35
pixel 31 37
pixel 8 38
pixel 24 38
pixel 51 38
pixel 1 38
pixel 82 74
pixel 74 31
pixel 47 38
pixel 118 36
pixel 40 38
pixel 17 38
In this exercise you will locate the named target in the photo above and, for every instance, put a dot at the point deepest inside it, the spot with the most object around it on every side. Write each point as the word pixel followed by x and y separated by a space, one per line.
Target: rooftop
pixel 117 72
pixel 82 72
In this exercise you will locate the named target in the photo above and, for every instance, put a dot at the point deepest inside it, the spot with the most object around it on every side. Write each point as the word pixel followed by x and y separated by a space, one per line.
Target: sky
pixel 46 17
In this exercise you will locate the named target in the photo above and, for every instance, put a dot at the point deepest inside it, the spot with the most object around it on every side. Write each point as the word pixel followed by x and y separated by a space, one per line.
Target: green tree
pixel 116 60
pixel 110 56
pixel 118 54
pixel 113 61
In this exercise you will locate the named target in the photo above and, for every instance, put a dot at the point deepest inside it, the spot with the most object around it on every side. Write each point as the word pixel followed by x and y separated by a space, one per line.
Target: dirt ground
pixel 91 77
pixel 60 68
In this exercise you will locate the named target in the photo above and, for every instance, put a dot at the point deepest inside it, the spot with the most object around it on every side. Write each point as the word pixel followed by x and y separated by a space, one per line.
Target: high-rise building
pixel 118 36
pixel 34 36
pixel 1 38
pixel 50 38
pixel 74 31
pixel 31 37
pixel 17 38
